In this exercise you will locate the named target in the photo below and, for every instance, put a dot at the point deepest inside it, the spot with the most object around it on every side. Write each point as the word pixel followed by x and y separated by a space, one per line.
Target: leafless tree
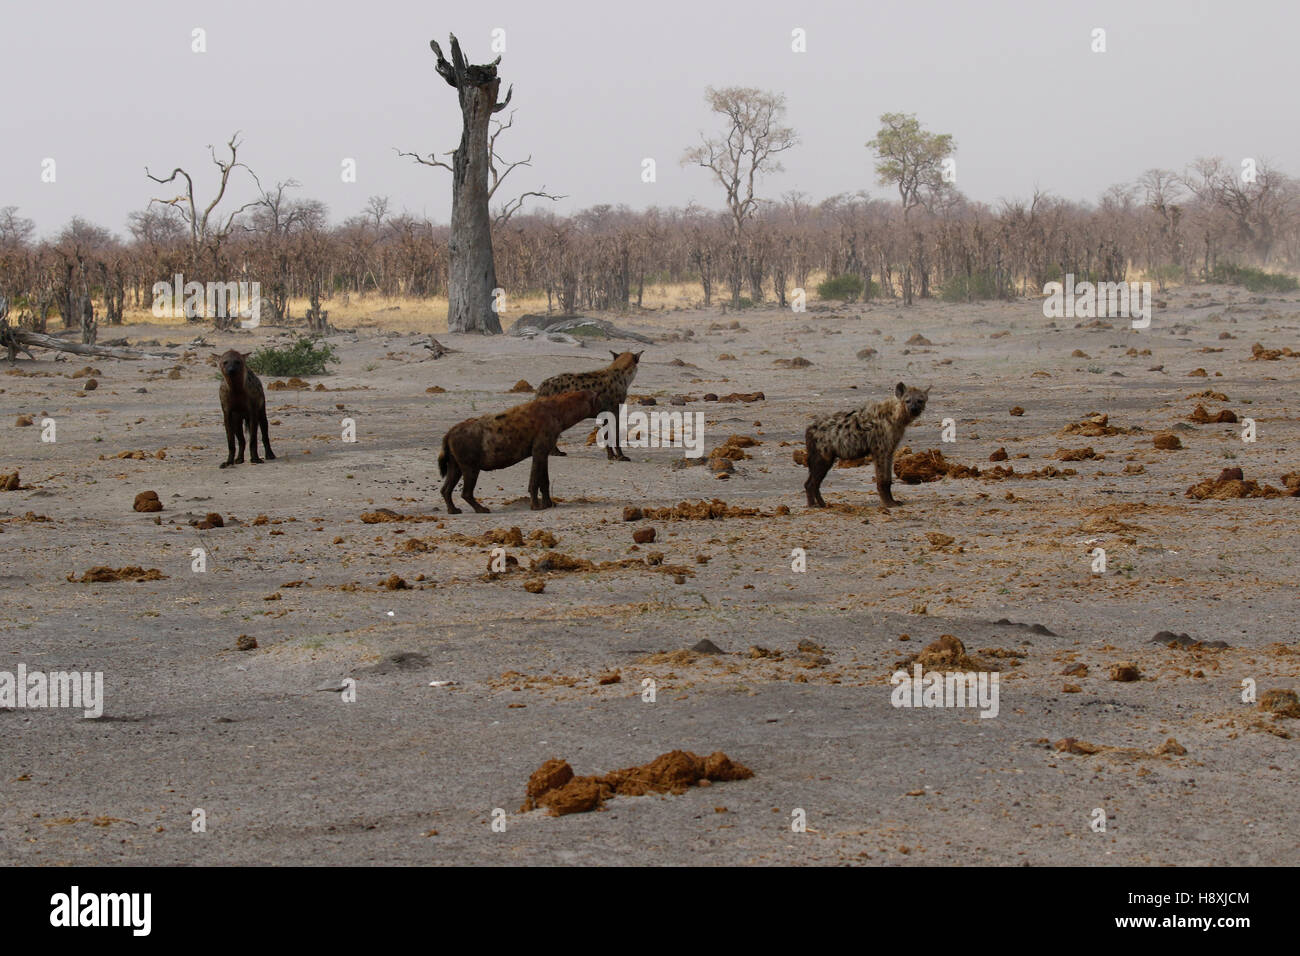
pixel 749 145
pixel 1258 206
pixel 473 280
pixel 207 234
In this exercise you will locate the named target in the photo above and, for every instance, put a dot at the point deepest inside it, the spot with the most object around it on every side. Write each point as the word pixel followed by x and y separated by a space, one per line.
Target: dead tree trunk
pixel 15 339
pixel 473 276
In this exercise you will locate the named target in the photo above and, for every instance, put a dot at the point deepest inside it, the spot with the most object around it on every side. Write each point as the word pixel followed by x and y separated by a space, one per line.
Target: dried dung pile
pixel 699 511
pixel 1094 425
pixel 945 654
pixel 1201 417
pixel 1231 483
pixel 930 466
pixel 103 574
pixel 554 786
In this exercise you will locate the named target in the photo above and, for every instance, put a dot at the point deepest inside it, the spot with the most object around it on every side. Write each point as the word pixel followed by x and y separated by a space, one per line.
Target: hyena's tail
pixel 442 458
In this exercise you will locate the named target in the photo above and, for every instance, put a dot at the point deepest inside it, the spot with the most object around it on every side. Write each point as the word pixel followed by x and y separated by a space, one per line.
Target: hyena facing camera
pixel 243 404
pixel 874 430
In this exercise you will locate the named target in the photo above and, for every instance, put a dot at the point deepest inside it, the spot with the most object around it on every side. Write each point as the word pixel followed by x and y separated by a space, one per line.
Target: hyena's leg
pixel 230 441
pixel 813 486
pixel 885 478
pixel 237 422
pixel 615 451
pixel 818 466
pixel 449 484
pixel 251 420
pixel 266 434
pixel 540 481
pixel 471 479
pixel 532 477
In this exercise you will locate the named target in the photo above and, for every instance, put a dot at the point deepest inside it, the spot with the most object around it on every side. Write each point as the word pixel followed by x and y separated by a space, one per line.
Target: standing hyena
pixel 610 385
pixel 874 431
pixel 497 441
pixel 243 404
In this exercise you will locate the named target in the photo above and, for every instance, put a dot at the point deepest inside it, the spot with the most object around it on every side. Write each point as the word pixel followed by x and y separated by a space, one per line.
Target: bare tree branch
pixel 514 205
pixel 431 161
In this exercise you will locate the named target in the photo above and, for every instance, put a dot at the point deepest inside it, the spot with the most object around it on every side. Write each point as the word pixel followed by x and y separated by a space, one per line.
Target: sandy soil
pixel 287 771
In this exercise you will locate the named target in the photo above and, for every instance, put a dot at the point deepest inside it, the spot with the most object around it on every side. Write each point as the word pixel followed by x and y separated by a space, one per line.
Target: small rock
pixel 706 646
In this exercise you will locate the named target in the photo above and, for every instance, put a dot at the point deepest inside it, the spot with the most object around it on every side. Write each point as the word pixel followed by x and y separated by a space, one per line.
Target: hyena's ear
pixel 613 353
pixel 636 356
pixel 899 389
pixel 927 390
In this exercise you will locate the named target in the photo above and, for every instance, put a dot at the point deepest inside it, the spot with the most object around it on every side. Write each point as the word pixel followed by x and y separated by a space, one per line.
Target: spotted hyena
pixel 243 405
pixel 873 431
pixel 507 438
pixel 610 385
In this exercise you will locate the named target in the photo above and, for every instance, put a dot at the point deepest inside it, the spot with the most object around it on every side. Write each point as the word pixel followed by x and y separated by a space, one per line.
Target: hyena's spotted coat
pixel 497 441
pixel 610 385
pixel 873 431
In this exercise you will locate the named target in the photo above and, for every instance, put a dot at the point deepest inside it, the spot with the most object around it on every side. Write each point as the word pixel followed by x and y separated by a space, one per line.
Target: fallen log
pixel 534 324
pixel 437 348
pixel 17 339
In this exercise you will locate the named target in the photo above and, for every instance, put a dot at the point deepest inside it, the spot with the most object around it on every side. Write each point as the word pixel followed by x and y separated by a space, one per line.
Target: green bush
pixel 846 288
pixel 307 356
pixel 1256 280
pixel 966 288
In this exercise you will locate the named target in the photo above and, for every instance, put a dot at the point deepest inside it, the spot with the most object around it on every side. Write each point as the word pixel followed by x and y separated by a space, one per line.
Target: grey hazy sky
pixel 107 88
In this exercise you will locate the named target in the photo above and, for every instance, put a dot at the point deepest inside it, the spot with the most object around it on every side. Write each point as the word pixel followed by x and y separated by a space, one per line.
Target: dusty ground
pixel 411 773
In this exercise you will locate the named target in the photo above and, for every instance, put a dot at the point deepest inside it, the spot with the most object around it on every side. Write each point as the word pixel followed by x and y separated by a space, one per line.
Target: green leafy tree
pixel 911 159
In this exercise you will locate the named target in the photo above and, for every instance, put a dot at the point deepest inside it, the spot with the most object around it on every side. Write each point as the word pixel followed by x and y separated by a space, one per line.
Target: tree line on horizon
pixel 925 240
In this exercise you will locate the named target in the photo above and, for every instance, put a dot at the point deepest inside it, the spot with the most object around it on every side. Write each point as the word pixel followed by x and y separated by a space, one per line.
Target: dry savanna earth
pixel 335 566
